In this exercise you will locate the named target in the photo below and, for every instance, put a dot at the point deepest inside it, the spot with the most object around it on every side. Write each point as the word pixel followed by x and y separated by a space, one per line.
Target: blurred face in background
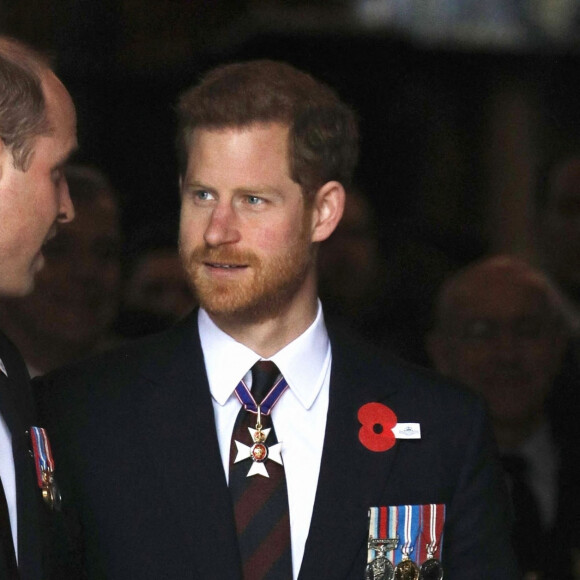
pixel 349 262
pixel 560 226
pixel 500 337
pixel 158 284
pixel 76 295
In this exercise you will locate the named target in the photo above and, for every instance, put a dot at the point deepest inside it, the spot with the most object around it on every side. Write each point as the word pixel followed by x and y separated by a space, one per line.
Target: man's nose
pixel 223 226
pixel 508 346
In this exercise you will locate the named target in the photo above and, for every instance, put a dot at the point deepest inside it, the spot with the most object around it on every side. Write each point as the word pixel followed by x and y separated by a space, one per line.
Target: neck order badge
pixel 259 452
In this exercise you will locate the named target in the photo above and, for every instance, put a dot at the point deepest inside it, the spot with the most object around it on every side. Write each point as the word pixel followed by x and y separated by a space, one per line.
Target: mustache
pixel 222 255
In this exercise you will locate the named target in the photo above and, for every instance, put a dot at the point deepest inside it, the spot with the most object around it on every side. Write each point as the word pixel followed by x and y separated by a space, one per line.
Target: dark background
pixel 461 103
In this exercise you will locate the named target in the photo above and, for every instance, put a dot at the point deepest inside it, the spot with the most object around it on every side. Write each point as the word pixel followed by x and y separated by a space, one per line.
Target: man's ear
pixel 327 209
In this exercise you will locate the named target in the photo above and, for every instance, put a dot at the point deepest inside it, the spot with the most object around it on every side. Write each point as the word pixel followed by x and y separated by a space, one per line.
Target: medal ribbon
pixel 245 397
pixel 405 524
pixel 42 454
pixel 383 525
pixel 393 526
pixel 409 528
pixel 380 529
pixel 432 522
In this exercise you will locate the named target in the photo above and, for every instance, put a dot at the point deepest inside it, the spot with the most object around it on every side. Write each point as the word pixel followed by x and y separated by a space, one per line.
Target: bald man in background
pixel 502 328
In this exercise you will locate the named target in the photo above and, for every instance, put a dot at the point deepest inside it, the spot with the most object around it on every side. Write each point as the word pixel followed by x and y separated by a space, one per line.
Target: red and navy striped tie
pixel 260 503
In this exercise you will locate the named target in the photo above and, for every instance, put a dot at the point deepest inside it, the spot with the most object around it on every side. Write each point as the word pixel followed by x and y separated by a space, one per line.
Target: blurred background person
pixel 155 292
pixel 352 273
pixel 501 328
pixel 75 300
pixel 558 224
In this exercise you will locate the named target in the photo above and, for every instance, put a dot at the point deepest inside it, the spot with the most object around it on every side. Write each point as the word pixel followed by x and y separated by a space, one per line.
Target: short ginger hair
pixel 323 131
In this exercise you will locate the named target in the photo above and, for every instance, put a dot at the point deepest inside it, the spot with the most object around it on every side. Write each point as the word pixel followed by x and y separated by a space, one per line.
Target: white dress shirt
pixel 299 416
pixel 7 473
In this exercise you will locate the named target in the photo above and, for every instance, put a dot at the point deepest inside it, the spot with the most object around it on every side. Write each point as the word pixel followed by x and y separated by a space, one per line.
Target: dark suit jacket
pixel 563 538
pixel 134 432
pixel 17 409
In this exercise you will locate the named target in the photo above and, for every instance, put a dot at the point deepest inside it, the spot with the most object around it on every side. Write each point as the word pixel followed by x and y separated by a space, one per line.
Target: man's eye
pixel 203 195
pixel 531 328
pixel 254 199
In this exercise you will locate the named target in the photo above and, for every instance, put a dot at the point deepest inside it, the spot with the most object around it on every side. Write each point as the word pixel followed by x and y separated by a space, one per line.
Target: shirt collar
pixel 3 368
pixel 304 362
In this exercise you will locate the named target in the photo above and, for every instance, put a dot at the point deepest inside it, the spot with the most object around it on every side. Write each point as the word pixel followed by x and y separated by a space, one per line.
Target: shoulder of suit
pixel 367 360
pixel 126 357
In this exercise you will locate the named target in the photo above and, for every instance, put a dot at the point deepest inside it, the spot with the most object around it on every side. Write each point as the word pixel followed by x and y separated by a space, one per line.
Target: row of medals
pixel 381 568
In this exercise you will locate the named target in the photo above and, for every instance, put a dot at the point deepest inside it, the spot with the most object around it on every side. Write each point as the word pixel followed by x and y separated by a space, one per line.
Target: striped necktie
pixel 260 503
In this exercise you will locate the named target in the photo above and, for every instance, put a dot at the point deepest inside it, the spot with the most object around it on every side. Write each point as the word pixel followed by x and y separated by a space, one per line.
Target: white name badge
pixel 407 431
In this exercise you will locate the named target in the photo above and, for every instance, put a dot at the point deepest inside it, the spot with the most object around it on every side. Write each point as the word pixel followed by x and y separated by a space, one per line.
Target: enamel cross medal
pixel 259 452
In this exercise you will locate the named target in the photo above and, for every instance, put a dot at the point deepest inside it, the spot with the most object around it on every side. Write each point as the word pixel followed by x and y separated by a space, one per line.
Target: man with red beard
pixel 250 441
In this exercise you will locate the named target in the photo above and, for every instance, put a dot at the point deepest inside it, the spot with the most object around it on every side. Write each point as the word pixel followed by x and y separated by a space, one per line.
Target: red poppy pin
pixel 380 428
pixel 377 422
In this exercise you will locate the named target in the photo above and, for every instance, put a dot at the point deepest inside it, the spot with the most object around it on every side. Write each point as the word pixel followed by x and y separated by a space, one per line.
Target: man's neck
pixel 269 335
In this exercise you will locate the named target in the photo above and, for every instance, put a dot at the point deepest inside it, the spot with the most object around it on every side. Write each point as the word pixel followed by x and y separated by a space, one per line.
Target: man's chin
pixel 227 309
pixel 240 309
pixel 17 287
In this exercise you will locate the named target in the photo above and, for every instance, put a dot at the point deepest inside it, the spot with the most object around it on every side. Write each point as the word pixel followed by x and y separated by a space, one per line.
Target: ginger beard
pixel 272 283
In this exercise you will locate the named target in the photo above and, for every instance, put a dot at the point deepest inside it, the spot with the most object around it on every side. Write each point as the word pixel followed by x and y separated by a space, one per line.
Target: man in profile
pixel 37 135
pixel 71 311
pixel 250 441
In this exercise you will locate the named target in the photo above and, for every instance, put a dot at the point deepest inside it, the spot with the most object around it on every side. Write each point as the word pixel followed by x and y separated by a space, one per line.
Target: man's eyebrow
pixel 196 185
pixel 257 190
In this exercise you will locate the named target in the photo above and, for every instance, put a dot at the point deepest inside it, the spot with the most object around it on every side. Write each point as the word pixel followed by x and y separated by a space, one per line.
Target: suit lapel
pixel 351 479
pixel 184 450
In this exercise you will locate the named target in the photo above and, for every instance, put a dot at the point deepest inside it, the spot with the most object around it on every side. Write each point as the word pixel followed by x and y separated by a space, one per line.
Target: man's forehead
pixel 256 126
pixel 60 108
pixel 494 302
pixel 246 141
